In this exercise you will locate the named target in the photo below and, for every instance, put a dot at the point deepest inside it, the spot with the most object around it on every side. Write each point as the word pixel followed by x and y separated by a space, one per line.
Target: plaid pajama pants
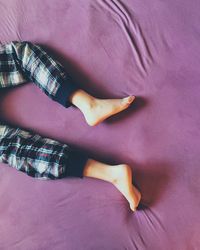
pixel 30 153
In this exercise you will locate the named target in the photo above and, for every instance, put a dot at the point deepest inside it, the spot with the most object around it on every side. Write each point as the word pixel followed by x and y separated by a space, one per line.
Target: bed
pixel 112 48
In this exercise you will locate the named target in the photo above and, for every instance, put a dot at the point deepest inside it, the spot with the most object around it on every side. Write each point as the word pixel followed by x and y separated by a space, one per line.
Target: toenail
pixel 131 98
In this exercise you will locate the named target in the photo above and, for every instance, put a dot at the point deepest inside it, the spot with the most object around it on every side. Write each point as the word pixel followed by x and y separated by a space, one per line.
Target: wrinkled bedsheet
pixel 112 48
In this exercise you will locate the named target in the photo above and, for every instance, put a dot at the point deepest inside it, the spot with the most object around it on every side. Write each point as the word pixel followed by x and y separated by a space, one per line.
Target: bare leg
pixel 119 175
pixel 96 110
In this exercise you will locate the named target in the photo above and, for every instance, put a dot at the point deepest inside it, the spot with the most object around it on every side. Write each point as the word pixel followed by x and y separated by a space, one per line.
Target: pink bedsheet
pixel 112 48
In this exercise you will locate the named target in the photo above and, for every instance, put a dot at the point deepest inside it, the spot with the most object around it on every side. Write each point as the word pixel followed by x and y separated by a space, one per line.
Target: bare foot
pixel 123 182
pixel 119 175
pixel 100 109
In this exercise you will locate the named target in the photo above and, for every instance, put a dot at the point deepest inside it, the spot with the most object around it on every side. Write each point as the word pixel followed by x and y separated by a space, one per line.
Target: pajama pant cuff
pixel 75 164
pixel 67 87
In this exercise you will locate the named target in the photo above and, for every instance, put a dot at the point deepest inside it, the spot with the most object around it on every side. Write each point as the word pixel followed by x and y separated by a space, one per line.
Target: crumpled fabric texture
pixel 112 48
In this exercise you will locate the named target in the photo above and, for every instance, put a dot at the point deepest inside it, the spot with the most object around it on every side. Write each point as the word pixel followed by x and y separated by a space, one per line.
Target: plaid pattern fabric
pixel 23 61
pixel 38 157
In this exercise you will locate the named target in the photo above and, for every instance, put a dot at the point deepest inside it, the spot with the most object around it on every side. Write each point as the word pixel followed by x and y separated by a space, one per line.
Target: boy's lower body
pixel 45 158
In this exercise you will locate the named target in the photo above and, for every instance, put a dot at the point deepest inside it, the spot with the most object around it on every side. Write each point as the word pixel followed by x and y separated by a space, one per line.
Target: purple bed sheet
pixel 112 48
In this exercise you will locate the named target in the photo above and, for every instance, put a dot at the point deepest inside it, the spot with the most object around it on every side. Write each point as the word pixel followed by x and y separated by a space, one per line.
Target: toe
pixel 132 208
pixel 131 99
pixel 128 100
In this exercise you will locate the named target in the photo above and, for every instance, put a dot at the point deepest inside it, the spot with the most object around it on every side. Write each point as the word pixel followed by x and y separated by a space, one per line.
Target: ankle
pixel 88 168
pixel 120 172
pixel 98 170
pixel 82 99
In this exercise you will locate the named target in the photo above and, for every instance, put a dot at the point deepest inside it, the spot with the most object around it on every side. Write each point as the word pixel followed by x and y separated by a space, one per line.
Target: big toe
pixel 132 207
pixel 128 100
